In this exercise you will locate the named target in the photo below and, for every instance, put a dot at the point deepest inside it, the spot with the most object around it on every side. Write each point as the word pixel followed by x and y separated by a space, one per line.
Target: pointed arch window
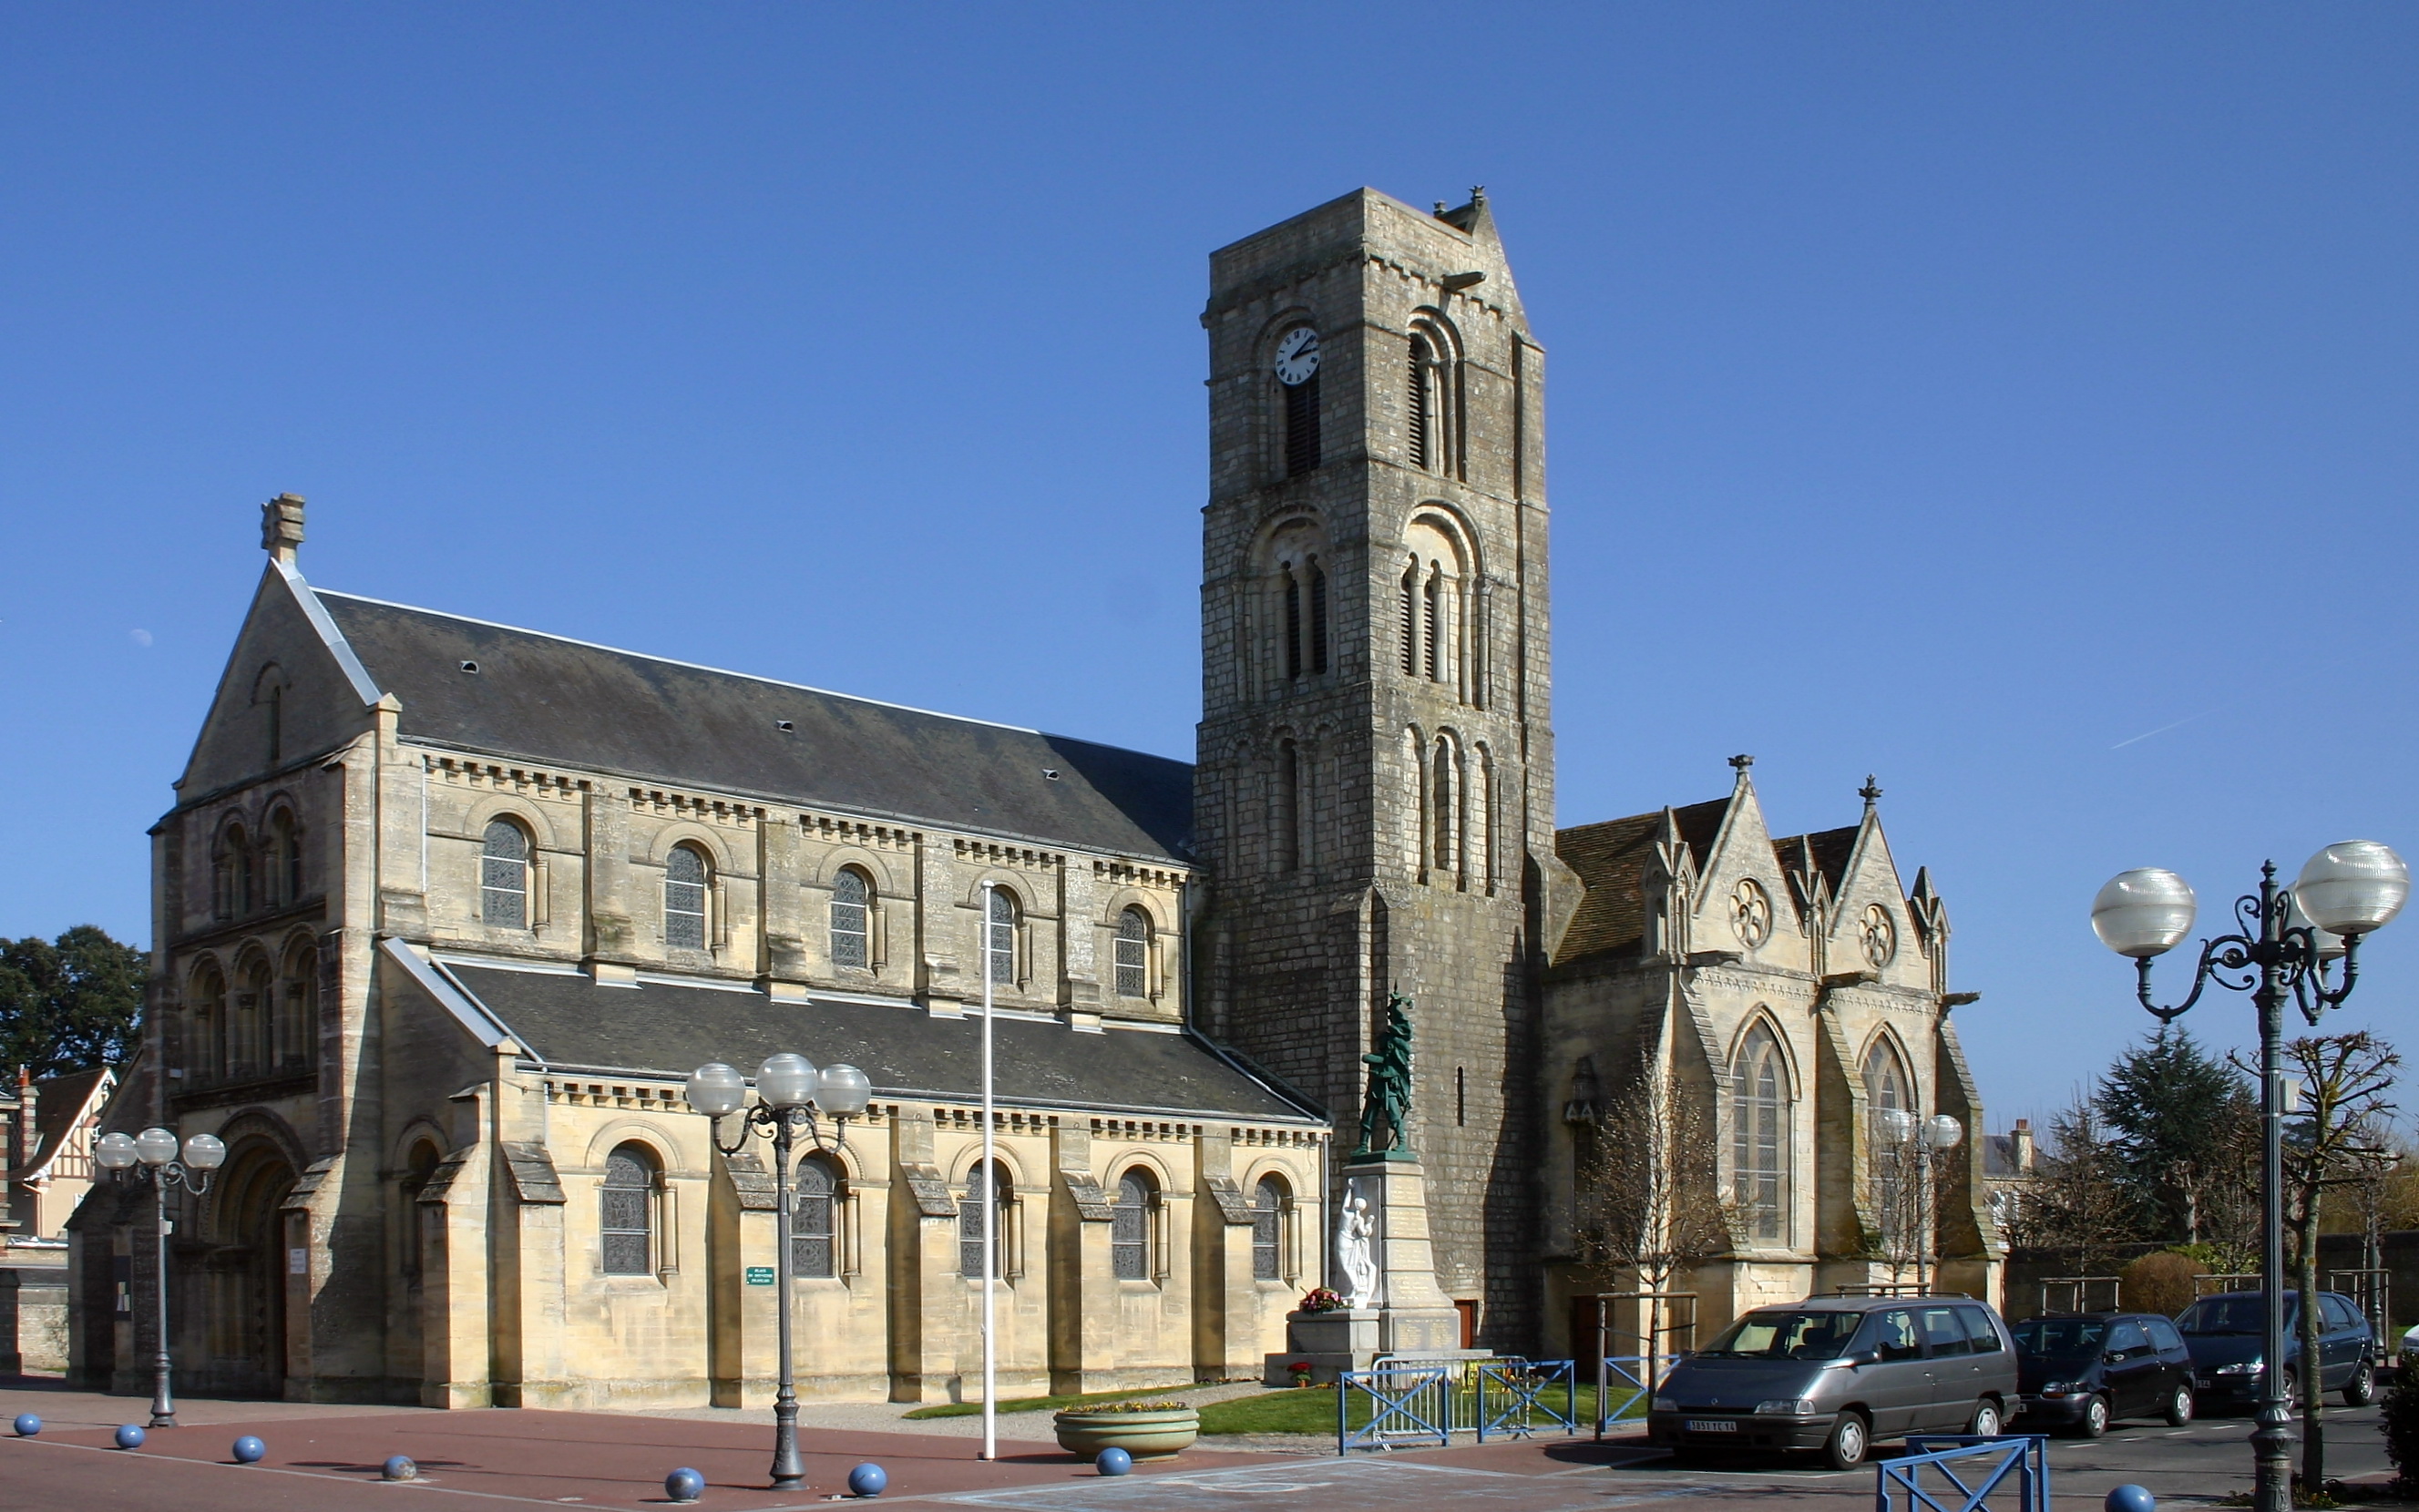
pixel 1271 1203
pixel 1134 953
pixel 504 876
pixel 1760 1134
pixel 814 1220
pixel 686 880
pixel 626 1211
pixel 852 918
pixel 1133 1227
pixel 999 944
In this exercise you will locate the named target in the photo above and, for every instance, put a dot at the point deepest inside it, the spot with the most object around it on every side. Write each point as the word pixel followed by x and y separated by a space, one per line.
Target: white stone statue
pixel 1356 1247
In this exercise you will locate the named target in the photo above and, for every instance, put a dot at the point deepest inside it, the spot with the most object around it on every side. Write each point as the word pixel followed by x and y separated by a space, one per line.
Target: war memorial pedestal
pixel 1412 1319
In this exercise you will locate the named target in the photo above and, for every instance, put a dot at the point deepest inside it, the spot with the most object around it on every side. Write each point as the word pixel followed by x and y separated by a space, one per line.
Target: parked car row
pixel 1836 1375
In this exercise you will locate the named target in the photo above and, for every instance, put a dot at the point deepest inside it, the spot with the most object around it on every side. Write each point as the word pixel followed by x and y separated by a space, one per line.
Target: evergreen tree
pixel 2174 1115
pixel 69 1003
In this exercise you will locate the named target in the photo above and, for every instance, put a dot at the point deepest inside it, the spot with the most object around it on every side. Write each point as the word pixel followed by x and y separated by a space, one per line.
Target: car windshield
pixel 2227 1315
pixel 2058 1336
pixel 1788 1335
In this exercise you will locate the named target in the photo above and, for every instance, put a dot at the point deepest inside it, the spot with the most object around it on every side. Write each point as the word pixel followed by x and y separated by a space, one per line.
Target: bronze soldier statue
pixel 1388 1101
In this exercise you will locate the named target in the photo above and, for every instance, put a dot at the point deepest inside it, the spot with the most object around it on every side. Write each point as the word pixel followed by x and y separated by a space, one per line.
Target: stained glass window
pixel 1129 1227
pixel 1760 1106
pixel 504 876
pixel 1134 953
pixel 685 898
pixel 628 1219
pixel 849 936
pixel 814 1231
pixel 1268 1229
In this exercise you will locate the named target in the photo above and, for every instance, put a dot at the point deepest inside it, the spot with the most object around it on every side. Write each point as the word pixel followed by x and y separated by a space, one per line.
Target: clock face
pixel 1296 357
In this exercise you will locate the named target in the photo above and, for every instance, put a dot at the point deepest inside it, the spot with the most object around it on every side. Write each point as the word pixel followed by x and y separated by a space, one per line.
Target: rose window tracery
pixel 1750 913
pixel 1877 937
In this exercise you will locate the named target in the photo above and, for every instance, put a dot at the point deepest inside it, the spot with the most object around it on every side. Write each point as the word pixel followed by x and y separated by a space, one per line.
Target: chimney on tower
pixel 281 526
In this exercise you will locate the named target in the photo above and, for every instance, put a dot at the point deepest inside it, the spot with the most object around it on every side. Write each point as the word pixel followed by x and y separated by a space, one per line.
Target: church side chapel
pixel 446 912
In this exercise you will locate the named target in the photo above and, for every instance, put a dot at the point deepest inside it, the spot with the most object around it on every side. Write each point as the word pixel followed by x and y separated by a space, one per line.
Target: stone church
pixel 445 911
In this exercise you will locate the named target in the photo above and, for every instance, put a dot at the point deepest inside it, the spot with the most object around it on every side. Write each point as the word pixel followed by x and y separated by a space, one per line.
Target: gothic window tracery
pixel 1760 1134
pixel 1750 912
pixel 1877 937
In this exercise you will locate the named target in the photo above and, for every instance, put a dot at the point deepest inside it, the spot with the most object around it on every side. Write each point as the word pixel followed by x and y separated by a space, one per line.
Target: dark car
pixel 2223 1332
pixel 1837 1374
pixel 2081 1371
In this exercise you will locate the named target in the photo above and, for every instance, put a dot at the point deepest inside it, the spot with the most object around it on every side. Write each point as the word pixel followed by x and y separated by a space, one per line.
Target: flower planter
pixel 1156 1434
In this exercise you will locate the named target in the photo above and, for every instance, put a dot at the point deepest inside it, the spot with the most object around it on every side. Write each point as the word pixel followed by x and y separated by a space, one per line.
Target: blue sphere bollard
pixel 683 1485
pixel 128 1436
pixel 399 1467
pixel 868 1479
pixel 249 1450
pixel 1112 1461
pixel 2131 1499
pixel 28 1425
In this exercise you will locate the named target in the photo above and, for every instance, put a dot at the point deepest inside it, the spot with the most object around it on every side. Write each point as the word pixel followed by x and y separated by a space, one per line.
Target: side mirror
pixel 1864 1357
pixel 2113 1357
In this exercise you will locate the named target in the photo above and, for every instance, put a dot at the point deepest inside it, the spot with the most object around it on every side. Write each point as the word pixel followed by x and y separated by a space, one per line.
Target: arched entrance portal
pixel 241 1321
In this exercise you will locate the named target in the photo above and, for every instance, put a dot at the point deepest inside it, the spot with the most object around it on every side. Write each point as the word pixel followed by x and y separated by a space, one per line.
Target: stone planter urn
pixel 1146 1433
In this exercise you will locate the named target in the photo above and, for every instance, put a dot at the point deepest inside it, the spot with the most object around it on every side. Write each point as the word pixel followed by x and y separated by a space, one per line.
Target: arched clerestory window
pixel 1133 954
pixel 1760 1134
pixel 1271 1203
pixel 852 919
pixel 504 876
pixel 1134 1228
pixel 999 939
pixel 626 1211
pixel 686 880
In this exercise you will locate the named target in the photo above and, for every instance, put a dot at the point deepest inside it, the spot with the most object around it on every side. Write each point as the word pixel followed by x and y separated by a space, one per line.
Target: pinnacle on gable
pixel 281 528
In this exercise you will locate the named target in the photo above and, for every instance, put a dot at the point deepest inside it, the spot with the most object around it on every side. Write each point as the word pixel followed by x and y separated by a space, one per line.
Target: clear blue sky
pixel 2015 402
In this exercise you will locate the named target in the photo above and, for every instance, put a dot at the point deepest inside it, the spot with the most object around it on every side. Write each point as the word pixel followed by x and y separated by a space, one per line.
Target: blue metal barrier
pixel 1984 1466
pixel 1405 1407
pixel 1518 1386
pixel 1429 1402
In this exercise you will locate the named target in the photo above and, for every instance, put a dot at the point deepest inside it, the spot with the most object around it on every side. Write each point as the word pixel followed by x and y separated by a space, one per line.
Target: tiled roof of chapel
pixel 547 700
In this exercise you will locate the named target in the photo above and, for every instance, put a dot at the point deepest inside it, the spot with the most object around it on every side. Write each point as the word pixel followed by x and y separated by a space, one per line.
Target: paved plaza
pixel 326 1458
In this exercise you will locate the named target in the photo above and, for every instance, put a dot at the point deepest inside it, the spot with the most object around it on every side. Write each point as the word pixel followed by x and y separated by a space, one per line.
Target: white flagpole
pixel 990 1210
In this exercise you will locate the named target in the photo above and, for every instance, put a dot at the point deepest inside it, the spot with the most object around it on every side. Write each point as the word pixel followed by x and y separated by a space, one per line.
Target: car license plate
pixel 1712 1425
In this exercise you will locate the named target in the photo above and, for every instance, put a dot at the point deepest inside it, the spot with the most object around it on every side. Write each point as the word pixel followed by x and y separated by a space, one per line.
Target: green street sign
pixel 760 1275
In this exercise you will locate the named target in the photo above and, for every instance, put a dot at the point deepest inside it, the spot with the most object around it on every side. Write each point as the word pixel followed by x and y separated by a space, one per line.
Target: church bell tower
pixel 1373 799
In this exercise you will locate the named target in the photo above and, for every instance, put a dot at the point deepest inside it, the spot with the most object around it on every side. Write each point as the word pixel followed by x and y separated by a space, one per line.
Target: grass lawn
pixel 1300 1411
pixel 1051 1404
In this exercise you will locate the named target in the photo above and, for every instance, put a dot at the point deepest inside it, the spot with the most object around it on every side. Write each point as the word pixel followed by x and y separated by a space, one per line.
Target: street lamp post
pixel 153 1157
pixel 790 1093
pixel 2282 946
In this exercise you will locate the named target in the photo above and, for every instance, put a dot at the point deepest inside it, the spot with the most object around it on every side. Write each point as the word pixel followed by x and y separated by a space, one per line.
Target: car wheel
pixel 1985 1423
pixel 1845 1448
pixel 2179 1405
pixel 2362 1388
pixel 2095 1419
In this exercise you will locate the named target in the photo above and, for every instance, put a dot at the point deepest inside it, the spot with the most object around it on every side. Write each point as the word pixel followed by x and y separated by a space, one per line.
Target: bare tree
pixel 2078 1205
pixel 1649 1197
pixel 2346 1082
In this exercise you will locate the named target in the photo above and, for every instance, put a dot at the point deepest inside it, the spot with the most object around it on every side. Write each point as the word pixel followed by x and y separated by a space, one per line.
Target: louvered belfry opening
pixel 1422 418
pixel 1318 618
pixel 1411 616
pixel 1301 426
pixel 1292 625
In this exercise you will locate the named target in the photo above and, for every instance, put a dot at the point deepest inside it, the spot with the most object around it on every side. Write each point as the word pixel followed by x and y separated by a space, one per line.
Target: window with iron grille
pixel 504 876
pixel 1268 1229
pixel 1301 426
pixel 814 1229
pixel 1134 953
pixel 628 1219
pixel 850 937
pixel 1129 1227
pixel 684 879
pixel 970 1224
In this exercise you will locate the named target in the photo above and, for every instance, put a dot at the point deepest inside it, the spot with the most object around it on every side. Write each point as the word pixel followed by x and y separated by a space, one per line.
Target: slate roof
pixel 545 700
pixel 666 1029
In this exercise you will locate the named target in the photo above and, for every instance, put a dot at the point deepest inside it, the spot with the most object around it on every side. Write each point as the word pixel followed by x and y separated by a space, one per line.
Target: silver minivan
pixel 1837 1374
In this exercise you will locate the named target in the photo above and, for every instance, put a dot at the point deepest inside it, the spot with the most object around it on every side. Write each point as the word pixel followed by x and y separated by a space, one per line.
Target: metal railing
pixel 2075 1292
pixel 1415 1402
pixel 1967 1473
pixel 1624 1380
